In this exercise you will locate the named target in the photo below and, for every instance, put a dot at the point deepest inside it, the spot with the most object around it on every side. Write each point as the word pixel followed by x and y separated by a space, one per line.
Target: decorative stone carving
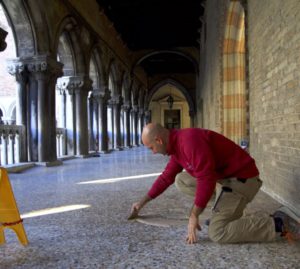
pixel 74 83
pixel 17 68
pixel 43 64
pixel 3 35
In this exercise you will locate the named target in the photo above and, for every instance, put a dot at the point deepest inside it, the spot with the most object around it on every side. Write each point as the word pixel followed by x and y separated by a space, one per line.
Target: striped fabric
pixel 233 101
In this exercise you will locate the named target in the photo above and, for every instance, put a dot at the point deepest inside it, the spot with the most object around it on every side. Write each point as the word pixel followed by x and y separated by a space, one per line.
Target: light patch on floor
pixel 54 210
pixel 117 179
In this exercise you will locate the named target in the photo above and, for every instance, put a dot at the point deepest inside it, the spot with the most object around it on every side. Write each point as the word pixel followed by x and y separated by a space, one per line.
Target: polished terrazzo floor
pixel 75 216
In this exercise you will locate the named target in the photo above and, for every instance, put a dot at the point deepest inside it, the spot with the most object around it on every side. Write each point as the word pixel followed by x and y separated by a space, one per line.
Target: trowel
pixel 133 215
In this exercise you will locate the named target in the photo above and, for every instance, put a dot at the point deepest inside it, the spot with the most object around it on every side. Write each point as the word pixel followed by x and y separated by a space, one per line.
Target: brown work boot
pixel 291 224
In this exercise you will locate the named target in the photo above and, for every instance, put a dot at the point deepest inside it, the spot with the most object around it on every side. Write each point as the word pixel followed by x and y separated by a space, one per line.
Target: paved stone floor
pixel 74 225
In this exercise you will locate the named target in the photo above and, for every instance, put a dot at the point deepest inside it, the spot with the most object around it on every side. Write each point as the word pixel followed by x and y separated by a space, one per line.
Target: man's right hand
pixel 136 207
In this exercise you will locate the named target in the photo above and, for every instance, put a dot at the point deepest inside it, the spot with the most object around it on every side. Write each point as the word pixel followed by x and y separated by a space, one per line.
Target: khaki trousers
pixel 227 224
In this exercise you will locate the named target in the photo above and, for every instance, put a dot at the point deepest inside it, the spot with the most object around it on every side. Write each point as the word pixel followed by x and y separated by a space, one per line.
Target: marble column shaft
pixel 126 126
pixel 77 89
pixel 102 113
pixel 140 125
pixel 45 71
pixel 81 121
pixel 134 112
pixel 117 124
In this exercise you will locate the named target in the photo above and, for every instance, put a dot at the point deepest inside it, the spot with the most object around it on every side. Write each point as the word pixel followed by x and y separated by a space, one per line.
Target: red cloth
pixel 207 156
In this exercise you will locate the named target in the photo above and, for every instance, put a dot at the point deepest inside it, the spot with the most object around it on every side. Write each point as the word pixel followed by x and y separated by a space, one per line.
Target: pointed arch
pixel 176 84
pixel 96 56
pixel 68 28
pixel 22 27
pixel 234 98
pixel 113 78
pixel 126 87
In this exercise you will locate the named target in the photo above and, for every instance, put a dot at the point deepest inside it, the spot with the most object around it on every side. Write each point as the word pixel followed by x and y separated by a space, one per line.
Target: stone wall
pixel 274 76
pixel 273 61
pixel 208 98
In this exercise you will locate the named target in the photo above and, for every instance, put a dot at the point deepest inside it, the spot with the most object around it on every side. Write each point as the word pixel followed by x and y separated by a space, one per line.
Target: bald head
pixel 152 130
pixel 155 137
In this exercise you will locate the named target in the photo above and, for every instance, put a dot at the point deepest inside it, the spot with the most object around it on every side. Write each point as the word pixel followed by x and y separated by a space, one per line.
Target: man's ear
pixel 158 140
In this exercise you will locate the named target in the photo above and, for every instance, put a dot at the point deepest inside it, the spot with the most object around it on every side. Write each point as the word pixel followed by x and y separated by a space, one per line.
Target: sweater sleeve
pixel 165 179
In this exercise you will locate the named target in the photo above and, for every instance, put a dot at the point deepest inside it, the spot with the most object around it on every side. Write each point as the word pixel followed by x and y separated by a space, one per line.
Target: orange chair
pixel 9 213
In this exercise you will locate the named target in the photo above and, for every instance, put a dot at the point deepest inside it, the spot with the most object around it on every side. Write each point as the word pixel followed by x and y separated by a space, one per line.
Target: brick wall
pixel 274 89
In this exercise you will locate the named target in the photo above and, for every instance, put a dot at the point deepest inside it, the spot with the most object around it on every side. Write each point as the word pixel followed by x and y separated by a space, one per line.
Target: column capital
pixel 116 99
pixel 44 64
pixel 141 111
pixel 147 112
pixel 74 83
pixel 135 108
pixel 126 107
pixel 101 95
pixel 41 66
pixel 17 68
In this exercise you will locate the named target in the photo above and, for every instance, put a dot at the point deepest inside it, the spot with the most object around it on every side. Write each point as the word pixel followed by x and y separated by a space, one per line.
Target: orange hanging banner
pixel 9 213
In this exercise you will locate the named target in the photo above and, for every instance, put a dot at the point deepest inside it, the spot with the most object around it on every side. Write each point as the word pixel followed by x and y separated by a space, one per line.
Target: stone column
pixel 76 109
pixel 4 155
pixel 81 94
pixel 192 117
pixel 45 71
pixel 32 120
pixel 110 125
pixel 131 117
pixel 122 128
pixel 140 125
pixel 61 118
pixel 61 103
pixel 69 115
pixel 117 125
pixel 127 133
pixel 11 148
pixel 102 113
pixel 17 68
pixel 95 124
pixel 147 117
pixel 134 115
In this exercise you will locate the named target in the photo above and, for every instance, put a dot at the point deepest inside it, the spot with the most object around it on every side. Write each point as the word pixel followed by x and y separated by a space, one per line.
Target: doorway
pixel 172 118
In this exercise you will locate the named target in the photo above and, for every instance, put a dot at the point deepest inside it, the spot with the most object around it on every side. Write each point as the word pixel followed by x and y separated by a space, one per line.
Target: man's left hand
pixel 193 226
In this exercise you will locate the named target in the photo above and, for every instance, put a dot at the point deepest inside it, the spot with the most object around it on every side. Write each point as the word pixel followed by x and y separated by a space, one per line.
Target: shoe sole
pixel 290 213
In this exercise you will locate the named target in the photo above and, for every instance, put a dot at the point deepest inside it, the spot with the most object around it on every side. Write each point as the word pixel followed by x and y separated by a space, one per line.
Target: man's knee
pixel 216 233
pixel 185 183
pixel 178 181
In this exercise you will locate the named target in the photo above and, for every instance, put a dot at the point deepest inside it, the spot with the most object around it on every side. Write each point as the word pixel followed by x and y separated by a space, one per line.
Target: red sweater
pixel 207 156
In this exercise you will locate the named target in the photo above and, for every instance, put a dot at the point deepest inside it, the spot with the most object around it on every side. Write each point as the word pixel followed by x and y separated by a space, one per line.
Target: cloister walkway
pixel 75 216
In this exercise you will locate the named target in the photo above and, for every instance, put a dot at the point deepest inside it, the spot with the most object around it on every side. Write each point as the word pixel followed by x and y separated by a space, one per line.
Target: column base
pixel 66 157
pixel 83 156
pixel 94 154
pixel 50 164
pixel 105 151
pixel 18 167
